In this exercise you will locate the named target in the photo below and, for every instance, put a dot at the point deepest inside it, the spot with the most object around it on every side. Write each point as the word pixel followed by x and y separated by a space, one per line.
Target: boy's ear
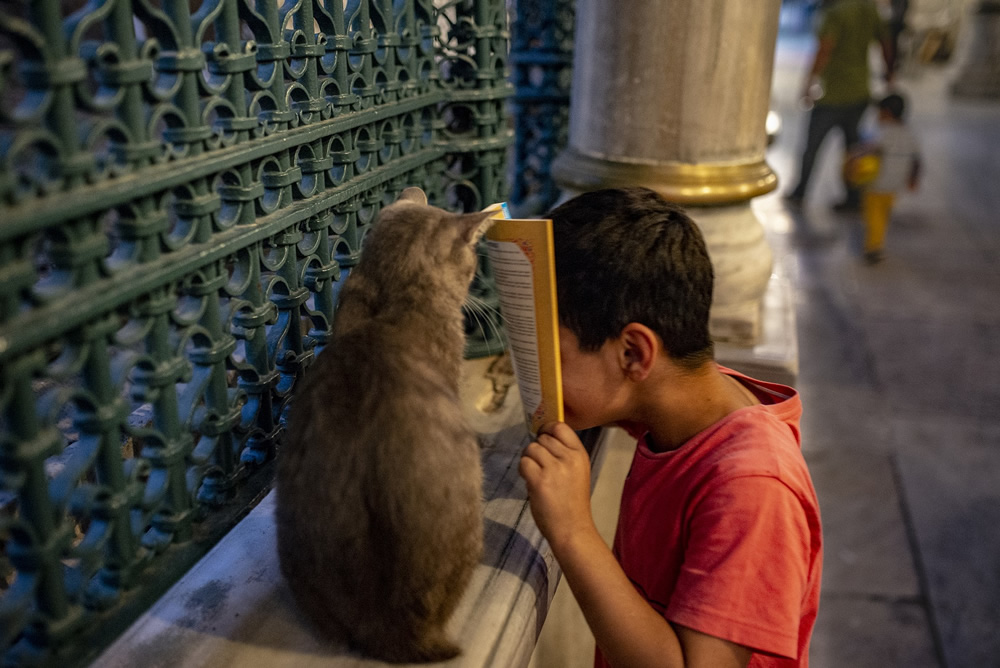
pixel 640 347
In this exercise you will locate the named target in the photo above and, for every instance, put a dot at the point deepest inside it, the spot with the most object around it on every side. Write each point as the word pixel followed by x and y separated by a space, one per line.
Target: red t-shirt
pixel 722 535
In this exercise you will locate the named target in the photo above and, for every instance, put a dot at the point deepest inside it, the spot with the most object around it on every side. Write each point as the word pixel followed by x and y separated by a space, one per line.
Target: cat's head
pixel 411 239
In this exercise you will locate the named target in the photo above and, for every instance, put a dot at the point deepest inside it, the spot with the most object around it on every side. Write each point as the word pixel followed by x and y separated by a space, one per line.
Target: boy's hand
pixel 556 469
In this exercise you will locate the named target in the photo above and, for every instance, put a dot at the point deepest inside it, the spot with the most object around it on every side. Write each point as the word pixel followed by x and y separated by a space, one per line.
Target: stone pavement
pixel 900 381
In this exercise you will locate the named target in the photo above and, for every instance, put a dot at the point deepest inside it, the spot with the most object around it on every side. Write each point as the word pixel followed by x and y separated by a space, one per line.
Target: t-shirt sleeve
pixel 745 566
pixel 901 144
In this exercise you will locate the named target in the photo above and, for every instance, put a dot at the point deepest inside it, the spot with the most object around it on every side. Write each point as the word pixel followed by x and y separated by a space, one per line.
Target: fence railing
pixel 180 196
pixel 541 56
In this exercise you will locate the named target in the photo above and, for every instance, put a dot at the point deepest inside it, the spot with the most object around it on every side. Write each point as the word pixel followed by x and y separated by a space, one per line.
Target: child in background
pixel 899 166
pixel 717 557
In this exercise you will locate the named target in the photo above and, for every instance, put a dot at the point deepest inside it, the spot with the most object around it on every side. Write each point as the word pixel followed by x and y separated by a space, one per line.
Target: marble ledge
pixel 234 608
pixel 775 357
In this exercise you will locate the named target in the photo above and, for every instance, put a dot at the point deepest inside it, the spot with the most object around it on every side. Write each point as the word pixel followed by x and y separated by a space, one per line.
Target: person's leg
pixel 876 210
pixel 896 28
pixel 849 122
pixel 822 119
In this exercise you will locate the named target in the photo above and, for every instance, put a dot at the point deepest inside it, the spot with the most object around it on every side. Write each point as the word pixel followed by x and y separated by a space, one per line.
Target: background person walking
pixel 846 30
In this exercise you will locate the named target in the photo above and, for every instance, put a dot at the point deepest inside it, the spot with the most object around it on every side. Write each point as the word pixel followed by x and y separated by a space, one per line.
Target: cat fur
pixel 379 481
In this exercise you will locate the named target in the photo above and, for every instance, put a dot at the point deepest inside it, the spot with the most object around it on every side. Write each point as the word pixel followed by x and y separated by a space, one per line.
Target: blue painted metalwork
pixel 181 195
pixel 474 130
pixel 542 63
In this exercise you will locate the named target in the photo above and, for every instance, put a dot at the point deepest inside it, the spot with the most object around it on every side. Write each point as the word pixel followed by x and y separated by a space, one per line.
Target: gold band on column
pixel 699 185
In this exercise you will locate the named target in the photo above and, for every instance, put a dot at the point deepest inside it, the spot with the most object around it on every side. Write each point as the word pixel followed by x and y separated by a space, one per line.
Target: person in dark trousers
pixel 846 30
pixel 897 24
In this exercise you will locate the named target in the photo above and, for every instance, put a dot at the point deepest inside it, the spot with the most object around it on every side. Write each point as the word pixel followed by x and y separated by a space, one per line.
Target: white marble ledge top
pixel 234 609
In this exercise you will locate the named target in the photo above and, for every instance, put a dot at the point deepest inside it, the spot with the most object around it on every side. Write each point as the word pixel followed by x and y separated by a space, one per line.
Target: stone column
pixel 673 95
pixel 979 75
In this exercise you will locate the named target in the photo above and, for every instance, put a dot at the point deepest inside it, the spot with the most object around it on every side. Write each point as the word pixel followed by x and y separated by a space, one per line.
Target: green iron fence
pixel 541 56
pixel 183 186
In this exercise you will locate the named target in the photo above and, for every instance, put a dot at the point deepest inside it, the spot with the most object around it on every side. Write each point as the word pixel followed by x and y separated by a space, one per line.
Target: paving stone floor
pixel 900 380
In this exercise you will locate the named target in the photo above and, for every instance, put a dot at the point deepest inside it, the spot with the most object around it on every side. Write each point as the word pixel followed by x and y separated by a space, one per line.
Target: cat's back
pixel 376 427
pixel 379 481
pixel 379 500
pixel 379 371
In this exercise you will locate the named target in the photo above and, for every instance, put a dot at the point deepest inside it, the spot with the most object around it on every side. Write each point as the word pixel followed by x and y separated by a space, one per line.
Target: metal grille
pixel 183 186
pixel 542 69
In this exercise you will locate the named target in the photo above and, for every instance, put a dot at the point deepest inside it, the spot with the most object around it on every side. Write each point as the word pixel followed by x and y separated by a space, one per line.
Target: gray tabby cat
pixel 379 481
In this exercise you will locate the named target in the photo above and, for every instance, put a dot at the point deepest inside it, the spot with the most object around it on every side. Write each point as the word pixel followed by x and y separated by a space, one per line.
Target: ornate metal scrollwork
pixel 182 192
pixel 542 60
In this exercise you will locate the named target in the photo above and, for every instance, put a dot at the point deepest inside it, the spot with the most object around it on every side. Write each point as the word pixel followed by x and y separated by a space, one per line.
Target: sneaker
pixel 793 198
pixel 874 256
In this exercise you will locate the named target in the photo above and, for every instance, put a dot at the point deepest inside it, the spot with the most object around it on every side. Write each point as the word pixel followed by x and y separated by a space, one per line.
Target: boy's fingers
pixel 537 452
pixel 563 433
pixel 549 427
pixel 528 468
pixel 551 445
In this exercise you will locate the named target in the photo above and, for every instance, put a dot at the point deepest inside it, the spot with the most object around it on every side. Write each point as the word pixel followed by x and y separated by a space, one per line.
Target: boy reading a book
pixel 717 556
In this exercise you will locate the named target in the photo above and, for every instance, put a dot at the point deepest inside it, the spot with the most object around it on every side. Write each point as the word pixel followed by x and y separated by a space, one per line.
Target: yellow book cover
pixel 523 260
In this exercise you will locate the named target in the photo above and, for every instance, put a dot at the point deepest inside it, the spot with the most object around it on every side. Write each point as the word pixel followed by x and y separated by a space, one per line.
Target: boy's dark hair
pixel 894 104
pixel 627 255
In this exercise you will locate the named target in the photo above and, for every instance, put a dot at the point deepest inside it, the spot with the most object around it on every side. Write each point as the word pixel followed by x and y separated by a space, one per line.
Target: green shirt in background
pixel 852 25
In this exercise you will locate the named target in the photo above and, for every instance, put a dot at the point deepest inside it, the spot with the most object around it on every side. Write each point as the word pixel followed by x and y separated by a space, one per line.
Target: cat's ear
pixel 474 225
pixel 414 195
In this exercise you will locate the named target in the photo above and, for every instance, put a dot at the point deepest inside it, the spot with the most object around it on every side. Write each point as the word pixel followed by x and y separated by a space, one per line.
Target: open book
pixel 523 261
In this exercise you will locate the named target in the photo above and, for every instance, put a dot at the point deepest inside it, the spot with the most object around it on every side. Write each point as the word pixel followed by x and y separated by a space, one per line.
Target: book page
pixel 523 262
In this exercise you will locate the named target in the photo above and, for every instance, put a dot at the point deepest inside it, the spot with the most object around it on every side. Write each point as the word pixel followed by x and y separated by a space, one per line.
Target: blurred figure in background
pixel 897 24
pixel 837 85
pixel 899 167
